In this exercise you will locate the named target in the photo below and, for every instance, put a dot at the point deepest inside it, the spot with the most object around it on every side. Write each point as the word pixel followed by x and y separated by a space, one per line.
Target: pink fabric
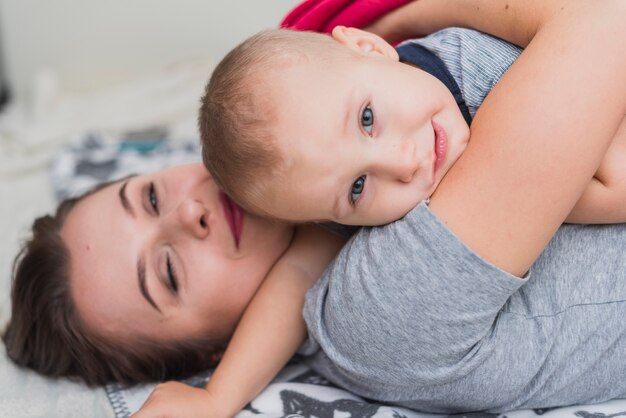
pixel 324 15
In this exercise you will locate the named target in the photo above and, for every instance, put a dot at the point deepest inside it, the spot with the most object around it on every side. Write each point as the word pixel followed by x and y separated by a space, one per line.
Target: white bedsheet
pixel 24 393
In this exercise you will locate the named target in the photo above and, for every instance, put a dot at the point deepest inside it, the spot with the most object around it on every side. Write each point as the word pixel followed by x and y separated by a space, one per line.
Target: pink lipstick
pixel 234 216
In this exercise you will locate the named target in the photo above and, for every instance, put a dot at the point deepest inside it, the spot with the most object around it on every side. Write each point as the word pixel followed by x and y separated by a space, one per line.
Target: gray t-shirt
pixel 408 314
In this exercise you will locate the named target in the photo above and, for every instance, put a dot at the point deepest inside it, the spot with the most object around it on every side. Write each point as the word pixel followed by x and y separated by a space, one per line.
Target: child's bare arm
pixel 269 333
pixel 604 200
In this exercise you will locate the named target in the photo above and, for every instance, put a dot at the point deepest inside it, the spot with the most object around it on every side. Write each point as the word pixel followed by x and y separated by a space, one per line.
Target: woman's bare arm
pixel 540 135
pixel 513 20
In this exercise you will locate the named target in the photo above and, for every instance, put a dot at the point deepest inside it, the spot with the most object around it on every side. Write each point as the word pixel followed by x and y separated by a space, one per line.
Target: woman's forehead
pixel 99 236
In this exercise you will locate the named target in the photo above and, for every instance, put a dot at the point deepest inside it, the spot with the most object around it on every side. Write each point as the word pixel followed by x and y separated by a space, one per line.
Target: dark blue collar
pixel 429 62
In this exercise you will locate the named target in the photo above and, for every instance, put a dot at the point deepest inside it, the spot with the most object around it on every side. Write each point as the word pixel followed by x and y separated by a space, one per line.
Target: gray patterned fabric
pixel 94 158
pixel 299 392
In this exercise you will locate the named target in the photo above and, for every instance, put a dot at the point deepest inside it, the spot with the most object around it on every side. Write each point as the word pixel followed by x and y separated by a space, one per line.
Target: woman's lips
pixel 441 145
pixel 233 215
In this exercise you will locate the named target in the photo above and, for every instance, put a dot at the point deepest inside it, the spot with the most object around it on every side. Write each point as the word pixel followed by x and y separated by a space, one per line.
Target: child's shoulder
pixel 468 47
pixel 475 59
pixel 461 38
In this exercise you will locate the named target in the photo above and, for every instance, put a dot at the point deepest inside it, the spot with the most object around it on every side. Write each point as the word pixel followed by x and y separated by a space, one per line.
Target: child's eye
pixel 152 198
pixel 367 119
pixel 357 189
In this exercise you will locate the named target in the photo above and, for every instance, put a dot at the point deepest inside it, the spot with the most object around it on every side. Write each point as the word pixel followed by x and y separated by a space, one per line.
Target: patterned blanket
pixel 300 393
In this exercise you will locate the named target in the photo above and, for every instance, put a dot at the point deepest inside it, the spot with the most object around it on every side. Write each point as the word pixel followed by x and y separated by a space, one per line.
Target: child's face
pixel 364 140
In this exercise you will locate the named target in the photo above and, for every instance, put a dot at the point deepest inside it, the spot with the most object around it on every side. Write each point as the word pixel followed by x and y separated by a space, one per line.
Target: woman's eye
pixel 357 189
pixel 172 282
pixel 367 119
pixel 152 198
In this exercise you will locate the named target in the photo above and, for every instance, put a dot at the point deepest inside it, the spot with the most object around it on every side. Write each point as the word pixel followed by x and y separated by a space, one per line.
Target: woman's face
pixel 167 255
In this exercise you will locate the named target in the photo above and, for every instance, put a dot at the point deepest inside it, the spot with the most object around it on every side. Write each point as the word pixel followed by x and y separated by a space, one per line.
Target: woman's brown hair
pixel 45 332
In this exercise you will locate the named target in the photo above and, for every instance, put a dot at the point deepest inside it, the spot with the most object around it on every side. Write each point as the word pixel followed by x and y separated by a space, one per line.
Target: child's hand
pixel 175 399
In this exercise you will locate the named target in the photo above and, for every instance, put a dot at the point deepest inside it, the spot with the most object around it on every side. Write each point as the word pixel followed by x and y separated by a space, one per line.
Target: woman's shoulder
pixel 410 280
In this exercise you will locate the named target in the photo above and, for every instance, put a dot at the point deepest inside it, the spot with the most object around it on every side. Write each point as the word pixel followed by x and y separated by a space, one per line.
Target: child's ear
pixel 363 42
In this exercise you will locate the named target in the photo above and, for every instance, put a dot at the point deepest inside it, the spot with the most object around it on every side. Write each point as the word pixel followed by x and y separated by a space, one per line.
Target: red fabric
pixel 324 15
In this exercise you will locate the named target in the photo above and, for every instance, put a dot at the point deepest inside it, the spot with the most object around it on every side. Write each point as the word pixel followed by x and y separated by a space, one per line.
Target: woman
pixel 496 217
pixel 120 285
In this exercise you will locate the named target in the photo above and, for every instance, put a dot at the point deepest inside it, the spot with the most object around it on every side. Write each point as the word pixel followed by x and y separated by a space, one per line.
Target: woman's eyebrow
pixel 141 264
pixel 141 279
pixel 124 200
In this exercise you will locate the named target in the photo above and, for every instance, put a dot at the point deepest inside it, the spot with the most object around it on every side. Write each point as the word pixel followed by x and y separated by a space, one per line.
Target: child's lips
pixel 234 216
pixel 441 145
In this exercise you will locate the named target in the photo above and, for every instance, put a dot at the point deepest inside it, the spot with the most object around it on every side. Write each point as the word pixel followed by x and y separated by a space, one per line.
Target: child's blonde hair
pixel 236 113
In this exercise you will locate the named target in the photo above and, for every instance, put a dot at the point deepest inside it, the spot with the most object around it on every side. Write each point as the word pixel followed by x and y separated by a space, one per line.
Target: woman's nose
pixel 398 161
pixel 193 218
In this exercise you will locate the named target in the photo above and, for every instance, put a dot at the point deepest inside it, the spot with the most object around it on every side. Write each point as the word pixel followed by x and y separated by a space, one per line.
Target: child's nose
pixel 193 218
pixel 398 161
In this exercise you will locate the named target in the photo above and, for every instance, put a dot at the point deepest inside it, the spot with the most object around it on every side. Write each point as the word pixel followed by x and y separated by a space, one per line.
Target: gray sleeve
pixel 394 294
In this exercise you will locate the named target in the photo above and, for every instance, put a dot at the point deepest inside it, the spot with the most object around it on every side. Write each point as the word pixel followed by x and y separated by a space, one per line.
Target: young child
pixel 338 129
pixel 303 127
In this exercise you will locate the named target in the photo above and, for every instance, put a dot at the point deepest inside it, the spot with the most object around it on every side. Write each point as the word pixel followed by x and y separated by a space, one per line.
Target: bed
pixel 142 125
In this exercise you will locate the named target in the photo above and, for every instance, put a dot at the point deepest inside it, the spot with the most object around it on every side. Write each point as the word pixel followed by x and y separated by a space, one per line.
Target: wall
pixel 90 44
